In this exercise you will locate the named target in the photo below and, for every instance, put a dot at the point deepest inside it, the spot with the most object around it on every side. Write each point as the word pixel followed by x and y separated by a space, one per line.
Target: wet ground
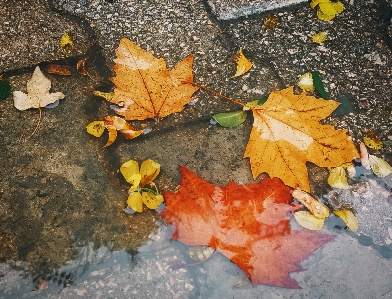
pixel 62 198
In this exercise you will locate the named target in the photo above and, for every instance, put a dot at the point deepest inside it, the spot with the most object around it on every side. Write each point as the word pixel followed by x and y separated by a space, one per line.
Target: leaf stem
pixel 216 93
pixel 36 128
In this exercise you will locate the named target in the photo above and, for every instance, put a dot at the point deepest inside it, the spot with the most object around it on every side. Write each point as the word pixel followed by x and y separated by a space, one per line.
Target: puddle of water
pixel 106 272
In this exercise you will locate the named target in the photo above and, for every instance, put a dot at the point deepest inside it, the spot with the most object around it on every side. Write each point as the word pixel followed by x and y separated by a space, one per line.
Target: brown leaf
pixel 286 133
pixel 145 88
pixel 246 223
pixel 58 69
pixel 81 67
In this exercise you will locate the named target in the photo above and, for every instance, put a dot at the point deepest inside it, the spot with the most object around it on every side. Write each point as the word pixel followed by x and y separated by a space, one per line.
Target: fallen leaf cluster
pixel 145 88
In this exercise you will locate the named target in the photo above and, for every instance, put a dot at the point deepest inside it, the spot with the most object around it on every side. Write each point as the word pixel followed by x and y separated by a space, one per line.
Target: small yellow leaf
pixel 135 202
pixel 128 169
pixel 149 170
pixel 314 206
pixel 307 220
pixel 66 41
pixel 327 10
pixel 320 37
pixel 243 64
pixel 106 95
pixel 380 167
pixel 372 140
pixel 324 17
pixel 306 82
pixel 337 178
pixel 348 217
pixel 152 201
pixel 96 128
pixel 134 180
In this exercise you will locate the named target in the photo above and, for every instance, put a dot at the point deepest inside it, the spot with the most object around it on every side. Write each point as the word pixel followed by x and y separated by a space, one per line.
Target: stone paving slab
pixel 227 9
pixel 30 32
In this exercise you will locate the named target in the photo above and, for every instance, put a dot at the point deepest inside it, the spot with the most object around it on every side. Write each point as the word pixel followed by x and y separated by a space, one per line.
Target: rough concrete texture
pixel 30 33
pixel 62 197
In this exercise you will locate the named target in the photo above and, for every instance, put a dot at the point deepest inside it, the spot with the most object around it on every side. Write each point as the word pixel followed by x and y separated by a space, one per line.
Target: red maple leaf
pixel 246 223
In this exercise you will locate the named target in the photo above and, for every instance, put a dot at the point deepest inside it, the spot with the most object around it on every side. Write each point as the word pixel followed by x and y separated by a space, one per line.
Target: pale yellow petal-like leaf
pixel 337 178
pixel 128 169
pixel 379 166
pixel 135 202
pixel 338 6
pixel 349 218
pixel 306 82
pixel 134 180
pixel 320 37
pixel 149 170
pixel 324 17
pixel 96 128
pixel 314 206
pixel 152 201
pixel 307 220
pixel 243 64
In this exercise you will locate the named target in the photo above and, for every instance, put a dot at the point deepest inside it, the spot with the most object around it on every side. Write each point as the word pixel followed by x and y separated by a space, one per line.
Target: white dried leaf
pixel 38 95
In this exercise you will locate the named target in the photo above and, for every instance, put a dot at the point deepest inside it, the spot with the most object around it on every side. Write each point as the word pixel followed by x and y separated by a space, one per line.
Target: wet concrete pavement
pixel 62 197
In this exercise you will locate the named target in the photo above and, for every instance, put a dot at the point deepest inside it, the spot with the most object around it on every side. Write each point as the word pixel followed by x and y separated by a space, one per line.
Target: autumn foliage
pixel 144 86
pixel 246 223
pixel 287 133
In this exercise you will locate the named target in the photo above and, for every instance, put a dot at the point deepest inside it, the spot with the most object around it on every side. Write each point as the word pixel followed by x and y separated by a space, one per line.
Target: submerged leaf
pixel 81 67
pixel 318 209
pixel 248 224
pixel 230 119
pixel 243 64
pixel 348 217
pixel 308 220
pixel 337 178
pixel 379 166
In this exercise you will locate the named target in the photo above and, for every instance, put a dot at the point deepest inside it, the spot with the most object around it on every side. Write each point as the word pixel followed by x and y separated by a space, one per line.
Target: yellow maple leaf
pixel 286 133
pixel 320 37
pixel 144 86
pixel 243 63
pixel 66 41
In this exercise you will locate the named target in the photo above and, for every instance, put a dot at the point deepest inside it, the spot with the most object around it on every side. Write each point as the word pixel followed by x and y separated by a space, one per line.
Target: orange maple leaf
pixel 144 86
pixel 286 133
pixel 249 224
